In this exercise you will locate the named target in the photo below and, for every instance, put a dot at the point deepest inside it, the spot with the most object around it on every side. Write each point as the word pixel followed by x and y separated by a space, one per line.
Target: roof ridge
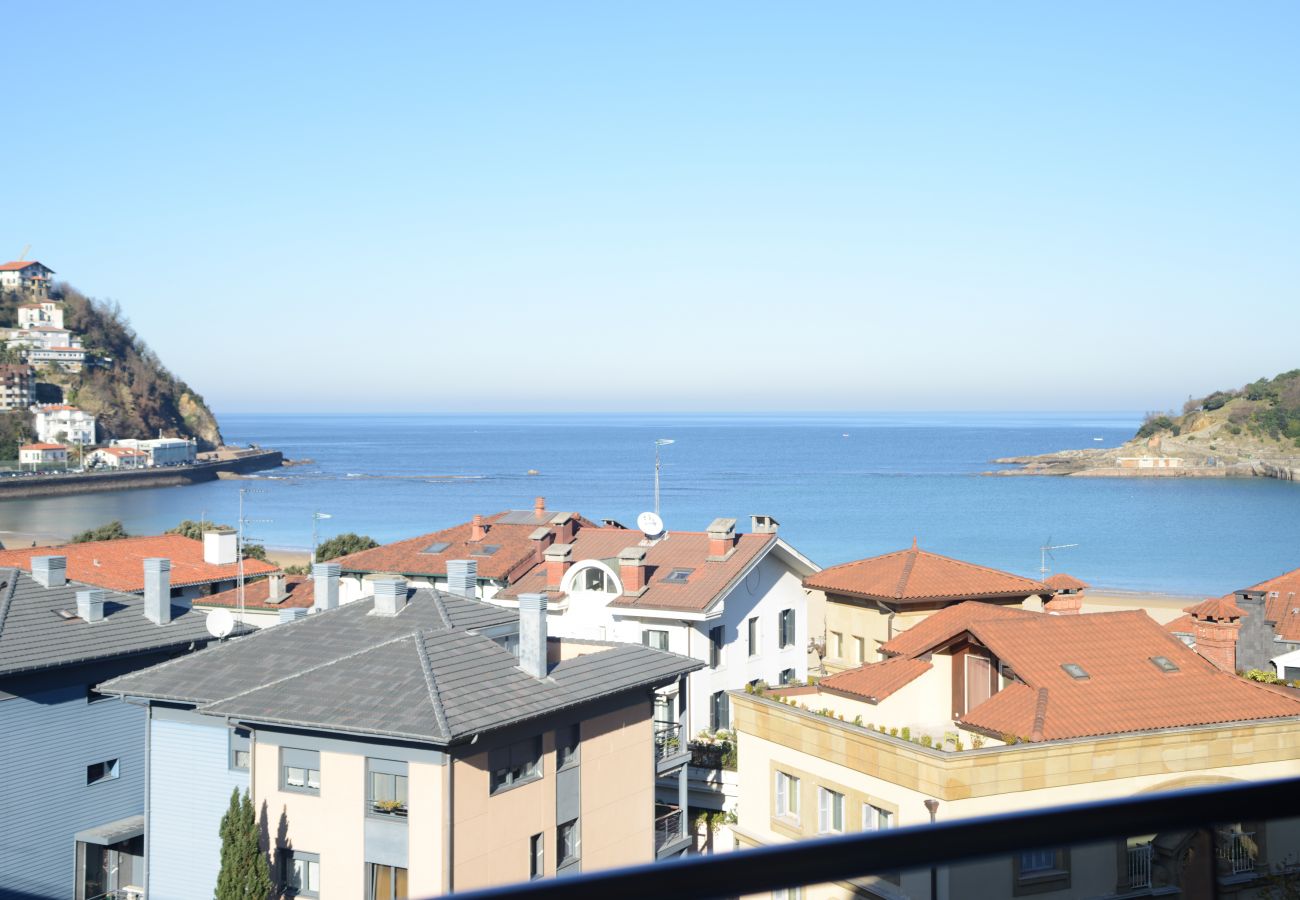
pixel 441 609
pixel 310 669
pixel 439 712
pixel 1040 716
pixel 907 571
pixel 8 598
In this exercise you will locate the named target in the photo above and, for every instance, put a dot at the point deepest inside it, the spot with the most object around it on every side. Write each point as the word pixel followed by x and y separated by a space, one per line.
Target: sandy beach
pixel 1161 607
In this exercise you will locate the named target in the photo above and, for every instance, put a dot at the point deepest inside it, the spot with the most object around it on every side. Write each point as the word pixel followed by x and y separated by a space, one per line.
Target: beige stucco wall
pixel 424 824
pixel 861 618
pixel 618 789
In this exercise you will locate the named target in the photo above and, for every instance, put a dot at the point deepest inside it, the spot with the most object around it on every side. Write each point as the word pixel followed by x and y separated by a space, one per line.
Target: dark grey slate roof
pixel 408 676
pixel 33 636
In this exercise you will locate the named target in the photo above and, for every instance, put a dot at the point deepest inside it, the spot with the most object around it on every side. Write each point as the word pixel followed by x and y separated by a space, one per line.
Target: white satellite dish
pixel 220 623
pixel 650 524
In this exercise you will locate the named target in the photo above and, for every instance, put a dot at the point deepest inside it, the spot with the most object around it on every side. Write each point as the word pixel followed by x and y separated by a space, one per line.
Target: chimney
pixel 158 590
pixel 90 605
pixel 631 571
pixel 539 508
pixel 722 539
pixel 763 525
pixel 390 595
pixel 566 526
pixel 292 614
pixel 326 586
pixel 1216 629
pixel 477 530
pixel 275 587
pixel 50 571
pixel 541 538
pixel 559 558
pixel 220 547
pixel 462 578
pixel 532 634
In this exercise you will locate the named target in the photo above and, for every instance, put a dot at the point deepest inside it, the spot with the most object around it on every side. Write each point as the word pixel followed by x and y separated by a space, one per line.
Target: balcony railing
pixel 851 856
pixel 668 739
pixel 668 828
pixel 1238 849
pixel 1138 868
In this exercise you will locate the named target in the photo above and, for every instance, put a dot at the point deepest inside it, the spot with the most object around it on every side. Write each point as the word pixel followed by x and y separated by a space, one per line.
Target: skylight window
pixel 437 547
pixel 1164 664
pixel 678 576
pixel 486 550
pixel 1074 670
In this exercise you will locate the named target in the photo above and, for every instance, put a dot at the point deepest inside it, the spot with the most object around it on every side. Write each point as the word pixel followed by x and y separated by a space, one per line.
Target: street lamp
pixel 933 806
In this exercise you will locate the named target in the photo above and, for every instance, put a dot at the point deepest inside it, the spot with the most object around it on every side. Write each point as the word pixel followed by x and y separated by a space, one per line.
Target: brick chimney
pixel 632 571
pixel 477 530
pixel 566 527
pixel 539 508
pixel 1217 627
pixel 541 538
pixel 722 539
pixel 559 559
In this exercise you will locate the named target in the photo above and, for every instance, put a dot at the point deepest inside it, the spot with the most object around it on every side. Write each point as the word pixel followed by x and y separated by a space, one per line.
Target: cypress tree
pixel 244 873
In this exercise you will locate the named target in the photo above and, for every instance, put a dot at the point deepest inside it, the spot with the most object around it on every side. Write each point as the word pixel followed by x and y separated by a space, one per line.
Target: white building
pixel 45 314
pixel 64 423
pixel 163 451
pixel 41 455
pixel 30 276
pixel 119 458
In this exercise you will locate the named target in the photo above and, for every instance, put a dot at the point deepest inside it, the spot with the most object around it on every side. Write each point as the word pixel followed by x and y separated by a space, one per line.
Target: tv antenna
pixel 660 442
pixel 239 543
pixel 315 518
pixel 1045 553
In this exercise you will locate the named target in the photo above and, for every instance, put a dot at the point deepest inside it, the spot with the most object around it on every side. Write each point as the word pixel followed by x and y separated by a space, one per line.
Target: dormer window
pixel 594 578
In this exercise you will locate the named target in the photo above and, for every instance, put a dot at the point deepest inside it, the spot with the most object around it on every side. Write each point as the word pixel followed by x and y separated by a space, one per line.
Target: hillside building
pixel 31 277
pixel 17 386
pixel 60 422
pixel 45 314
pixel 44 455
pixel 410 744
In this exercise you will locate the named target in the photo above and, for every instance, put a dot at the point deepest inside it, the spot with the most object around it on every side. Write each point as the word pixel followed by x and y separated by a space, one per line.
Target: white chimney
pixel 90 605
pixel 532 634
pixel 220 547
pixel 275 587
pixel 326 583
pixel 50 571
pixel 158 590
pixel 462 577
pixel 390 596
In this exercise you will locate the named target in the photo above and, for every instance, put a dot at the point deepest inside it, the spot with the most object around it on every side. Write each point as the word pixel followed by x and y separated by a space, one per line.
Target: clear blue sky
pixel 667 206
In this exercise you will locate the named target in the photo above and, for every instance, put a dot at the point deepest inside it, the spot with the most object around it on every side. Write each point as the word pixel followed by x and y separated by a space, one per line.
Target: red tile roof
pixel 121 451
pixel 19 265
pixel 119 565
pixel 509 531
pixel 918 575
pixel 946 624
pixel 1062 582
pixel 1215 609
pixel 300 592
pixel 42 447
pixel 708 581
pixel 1182 625
pixel 876 681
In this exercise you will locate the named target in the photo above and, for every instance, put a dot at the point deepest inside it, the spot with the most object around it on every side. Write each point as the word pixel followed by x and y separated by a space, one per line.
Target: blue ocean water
pixel 843 486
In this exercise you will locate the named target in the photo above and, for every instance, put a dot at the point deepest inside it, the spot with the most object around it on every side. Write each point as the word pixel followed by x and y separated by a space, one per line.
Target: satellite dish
pixel 650 524
pixel 220 623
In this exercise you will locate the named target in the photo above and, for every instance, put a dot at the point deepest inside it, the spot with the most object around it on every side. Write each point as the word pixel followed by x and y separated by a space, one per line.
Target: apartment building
pixel 72 794
pixel 408 745
pixel 26 275
pixel 982 709
pixel 17 386
pixel 869 601
pixel 63 423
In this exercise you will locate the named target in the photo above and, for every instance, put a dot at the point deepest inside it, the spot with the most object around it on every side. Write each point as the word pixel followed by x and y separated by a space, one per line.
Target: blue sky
pixel 525 206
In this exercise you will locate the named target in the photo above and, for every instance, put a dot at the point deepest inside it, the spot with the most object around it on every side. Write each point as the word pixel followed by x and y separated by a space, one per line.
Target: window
pixel 678 576
pixel 793 893
pixel 719 713
pixel 593 579
pixel 94 696
pixel 837 645
pixel 657 640
pixel 787 676
pixel 876 819
pixel 300 770
pixel 753 636
pixel 567 843
pixel 665 709
pixel 436 547
pixel 385 882
pixel 787 796
pixel 240 749
pixel 716 637
pixel 536 856
pixel 786 629
pixel 101 771
pixel 830 811
pixel 859 649
pixel 516 764
pixel 300 873
pixel 567 741
pixel 386 787
pixel 1040 871
pixel 1035 862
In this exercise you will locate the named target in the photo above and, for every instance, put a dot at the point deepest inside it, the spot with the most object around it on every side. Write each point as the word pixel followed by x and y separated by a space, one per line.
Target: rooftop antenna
pixel 22 257
pixel 239 543
pixel 316 517
pixel 661 442
pixel 1045 553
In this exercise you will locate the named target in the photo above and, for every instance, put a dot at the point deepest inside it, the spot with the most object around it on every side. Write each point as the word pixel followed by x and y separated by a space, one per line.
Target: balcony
pixel 670 838
pixel 1138 867
pixel 670 751
pixel 1237 850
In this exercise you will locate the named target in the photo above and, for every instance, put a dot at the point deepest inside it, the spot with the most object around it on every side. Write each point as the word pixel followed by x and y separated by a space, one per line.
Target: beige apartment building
pixel 870 601
pixel 408 745
pixel 989 709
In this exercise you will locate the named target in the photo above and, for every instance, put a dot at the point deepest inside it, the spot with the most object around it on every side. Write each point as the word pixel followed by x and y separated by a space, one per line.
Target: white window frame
pixel 830 811
pixel 754 631
pixel 787 796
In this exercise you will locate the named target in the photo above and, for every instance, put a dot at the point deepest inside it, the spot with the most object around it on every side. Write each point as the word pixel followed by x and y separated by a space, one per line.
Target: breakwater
pixel 26 486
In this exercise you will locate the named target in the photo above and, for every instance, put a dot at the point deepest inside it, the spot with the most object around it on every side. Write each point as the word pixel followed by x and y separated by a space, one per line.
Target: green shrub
pixel 926 740
pixel 113 531
pixel 906 733
pixel 893 732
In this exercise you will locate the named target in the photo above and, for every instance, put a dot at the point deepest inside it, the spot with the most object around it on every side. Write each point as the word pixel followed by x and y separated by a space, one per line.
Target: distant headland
pixel 1249 432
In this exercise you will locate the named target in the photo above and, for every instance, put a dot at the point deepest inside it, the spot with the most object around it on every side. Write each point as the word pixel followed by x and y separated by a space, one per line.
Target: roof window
pixel 486 550
pixel 1075 671
pixel 678 576
pixel 436 547
pixel 1164 664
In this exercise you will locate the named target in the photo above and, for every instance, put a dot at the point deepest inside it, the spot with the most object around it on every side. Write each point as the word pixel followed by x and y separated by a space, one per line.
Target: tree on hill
pixel 244 872
pixel 15 430
pixel 344 545
pixel 194 531
pixel 113 531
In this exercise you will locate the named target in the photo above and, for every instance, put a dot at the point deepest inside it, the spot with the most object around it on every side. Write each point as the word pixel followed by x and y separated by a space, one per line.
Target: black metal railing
pixel 668 828
pixel 843 857
pixel 668 739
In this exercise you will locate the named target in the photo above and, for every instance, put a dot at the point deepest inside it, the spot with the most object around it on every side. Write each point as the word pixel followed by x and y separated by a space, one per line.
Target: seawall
pixel 93 482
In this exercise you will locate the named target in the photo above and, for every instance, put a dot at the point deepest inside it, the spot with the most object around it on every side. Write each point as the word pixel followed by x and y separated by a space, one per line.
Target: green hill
pixel 1267 410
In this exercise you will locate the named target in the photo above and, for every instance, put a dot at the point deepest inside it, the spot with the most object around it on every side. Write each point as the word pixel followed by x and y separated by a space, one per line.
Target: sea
pixel 842 486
